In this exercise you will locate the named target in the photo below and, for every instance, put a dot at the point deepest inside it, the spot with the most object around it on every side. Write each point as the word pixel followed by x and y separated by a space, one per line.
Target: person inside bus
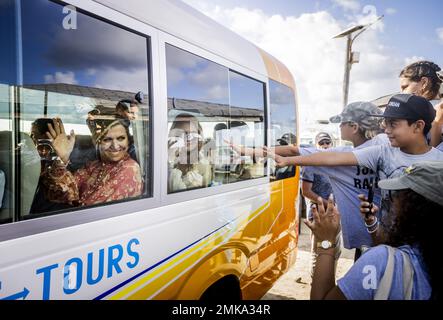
pixel 286 172
pixel 406 265
pixel 188 168
pixel 127 109
pixel 113 176
pixel 40 203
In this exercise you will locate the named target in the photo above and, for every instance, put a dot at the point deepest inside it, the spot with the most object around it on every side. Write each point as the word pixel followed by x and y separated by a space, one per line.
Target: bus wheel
pixel 225 289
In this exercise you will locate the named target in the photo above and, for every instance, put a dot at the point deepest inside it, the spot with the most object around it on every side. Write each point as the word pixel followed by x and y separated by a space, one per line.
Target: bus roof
pixel 183 21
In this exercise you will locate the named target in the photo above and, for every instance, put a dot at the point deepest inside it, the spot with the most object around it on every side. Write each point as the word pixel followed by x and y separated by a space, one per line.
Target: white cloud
pixel 61 77
pixel 304 44
pixel 124 80
pixel 391 11
pixel 409 60
pixel 348 5
pixel 440 34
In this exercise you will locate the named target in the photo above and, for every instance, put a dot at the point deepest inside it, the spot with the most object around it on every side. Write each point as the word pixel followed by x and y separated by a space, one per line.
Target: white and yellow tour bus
pixel 144 226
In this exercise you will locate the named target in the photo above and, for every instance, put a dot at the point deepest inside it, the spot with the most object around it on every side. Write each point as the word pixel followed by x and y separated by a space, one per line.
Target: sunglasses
pixel 322 143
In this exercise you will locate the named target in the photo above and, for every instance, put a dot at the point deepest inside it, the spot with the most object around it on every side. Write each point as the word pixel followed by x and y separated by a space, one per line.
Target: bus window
pixel 7 76
pixel 198 119
pixel 78 148
pixel 283 123
pixel 208 104
pixel 247 109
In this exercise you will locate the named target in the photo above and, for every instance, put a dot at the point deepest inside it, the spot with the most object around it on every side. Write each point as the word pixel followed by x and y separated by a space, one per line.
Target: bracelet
pixel 373 230
pixel 373 224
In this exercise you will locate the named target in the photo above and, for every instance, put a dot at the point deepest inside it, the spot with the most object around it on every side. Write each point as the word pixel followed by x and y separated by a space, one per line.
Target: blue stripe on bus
pixel 155 265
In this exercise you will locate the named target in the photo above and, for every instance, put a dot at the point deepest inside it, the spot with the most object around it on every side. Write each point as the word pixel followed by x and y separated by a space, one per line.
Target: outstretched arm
pixel 286 151
pixel 317 159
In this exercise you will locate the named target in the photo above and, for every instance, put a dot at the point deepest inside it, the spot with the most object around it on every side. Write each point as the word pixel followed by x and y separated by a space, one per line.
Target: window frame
pixel 270 125
pixel 187 195
pixel 67 218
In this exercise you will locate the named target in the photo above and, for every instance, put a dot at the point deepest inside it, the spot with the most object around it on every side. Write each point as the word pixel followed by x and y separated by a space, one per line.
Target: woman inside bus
pixel 407 265
pixel 114 176
pixel 188 168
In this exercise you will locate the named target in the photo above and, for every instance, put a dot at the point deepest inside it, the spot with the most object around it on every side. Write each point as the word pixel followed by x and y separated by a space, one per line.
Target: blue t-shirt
pixel 440 146
pixel 320 184
pixel 347 183
pixel 390 162
pixel 358 283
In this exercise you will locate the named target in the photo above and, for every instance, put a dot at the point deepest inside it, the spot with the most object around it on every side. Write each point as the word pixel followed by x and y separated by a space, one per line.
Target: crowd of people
pixel 382 196
pixel 397 161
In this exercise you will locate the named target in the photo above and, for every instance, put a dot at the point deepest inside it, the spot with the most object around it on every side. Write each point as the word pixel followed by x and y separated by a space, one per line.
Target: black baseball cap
pixel 409 107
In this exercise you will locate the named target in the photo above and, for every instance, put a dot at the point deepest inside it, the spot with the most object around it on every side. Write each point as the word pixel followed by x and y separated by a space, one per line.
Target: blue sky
pixel 412 19
pixel 299 33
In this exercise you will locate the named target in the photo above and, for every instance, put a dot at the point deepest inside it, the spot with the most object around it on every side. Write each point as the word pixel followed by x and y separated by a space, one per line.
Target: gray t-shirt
pixel 440 146
pixel 390 162
pixel 347 183
pixel 320 185
pixel 354 285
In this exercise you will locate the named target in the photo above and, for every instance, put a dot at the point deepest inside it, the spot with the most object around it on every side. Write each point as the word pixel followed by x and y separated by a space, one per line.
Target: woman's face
pixel 114 145
pixel 187 131
pixel 410 87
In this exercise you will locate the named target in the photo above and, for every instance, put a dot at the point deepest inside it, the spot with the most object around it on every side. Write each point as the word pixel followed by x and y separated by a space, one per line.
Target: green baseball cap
pixel 360 112
pixel 425 178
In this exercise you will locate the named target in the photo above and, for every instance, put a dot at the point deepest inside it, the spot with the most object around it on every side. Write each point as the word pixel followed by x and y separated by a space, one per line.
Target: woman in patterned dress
pixel 114 176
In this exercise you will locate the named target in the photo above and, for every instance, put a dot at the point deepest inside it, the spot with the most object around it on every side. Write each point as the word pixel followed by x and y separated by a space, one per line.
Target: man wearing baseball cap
pixel 287 139
pixel 323 140
pixel 407 120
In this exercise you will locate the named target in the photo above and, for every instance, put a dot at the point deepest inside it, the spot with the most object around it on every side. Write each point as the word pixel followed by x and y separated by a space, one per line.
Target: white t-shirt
pixel 347 183
pixel 390 162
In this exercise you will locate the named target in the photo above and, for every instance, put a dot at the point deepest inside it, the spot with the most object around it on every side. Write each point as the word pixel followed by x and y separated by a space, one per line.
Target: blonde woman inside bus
pixel 188 167
pixel 113 176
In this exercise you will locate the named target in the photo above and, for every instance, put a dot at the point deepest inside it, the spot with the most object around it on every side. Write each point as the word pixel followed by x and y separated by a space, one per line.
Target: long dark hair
pixel 418 221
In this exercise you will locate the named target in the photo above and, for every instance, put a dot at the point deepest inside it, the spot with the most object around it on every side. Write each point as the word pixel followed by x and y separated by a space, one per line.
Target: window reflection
pixel 283 122
pixel 83 81
pixel 208 104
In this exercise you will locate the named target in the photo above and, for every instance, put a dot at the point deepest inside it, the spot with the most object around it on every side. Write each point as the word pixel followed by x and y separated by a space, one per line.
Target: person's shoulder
pixel 380 139
pixel 376 256
pixel 131 163
pixel 437 153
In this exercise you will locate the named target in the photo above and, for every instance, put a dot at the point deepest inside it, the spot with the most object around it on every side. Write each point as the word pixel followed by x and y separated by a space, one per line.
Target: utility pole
pixel 351 57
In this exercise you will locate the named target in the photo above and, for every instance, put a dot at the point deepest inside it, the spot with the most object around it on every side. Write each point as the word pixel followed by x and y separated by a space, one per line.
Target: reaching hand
pixel 280 161
pixel 326 223
pixel 63 144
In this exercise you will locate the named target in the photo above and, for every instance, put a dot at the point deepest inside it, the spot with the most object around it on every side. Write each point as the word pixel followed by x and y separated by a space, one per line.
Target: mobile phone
pixel 370 199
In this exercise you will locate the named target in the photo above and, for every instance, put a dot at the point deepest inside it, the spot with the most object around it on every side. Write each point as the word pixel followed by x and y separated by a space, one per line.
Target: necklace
pixel 106 173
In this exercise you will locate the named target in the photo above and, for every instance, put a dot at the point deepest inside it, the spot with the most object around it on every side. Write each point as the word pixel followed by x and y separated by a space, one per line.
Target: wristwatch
pixel 325 244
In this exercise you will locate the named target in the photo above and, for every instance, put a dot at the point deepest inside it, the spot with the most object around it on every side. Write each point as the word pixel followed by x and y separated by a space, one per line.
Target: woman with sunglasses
pixel 405 266
pixel 188 167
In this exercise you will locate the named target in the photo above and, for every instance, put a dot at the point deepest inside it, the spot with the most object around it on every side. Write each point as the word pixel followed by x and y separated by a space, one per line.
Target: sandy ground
pixel 296 283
